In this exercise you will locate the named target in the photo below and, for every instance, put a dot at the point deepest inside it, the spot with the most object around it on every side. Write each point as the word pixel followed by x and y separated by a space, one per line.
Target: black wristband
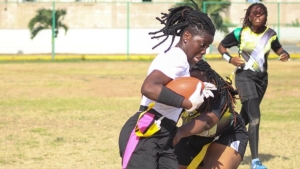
pixel 169 97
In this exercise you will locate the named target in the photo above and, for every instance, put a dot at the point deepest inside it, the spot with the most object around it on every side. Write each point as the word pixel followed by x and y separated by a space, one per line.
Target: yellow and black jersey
pixel 253 47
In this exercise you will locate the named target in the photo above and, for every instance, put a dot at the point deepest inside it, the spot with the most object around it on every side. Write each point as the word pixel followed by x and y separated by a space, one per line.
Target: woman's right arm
pixel 236 61
pixel 154 89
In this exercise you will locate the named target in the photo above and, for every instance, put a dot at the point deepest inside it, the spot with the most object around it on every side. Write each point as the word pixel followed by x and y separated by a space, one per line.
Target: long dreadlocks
pixel 224 88
pixel 183 18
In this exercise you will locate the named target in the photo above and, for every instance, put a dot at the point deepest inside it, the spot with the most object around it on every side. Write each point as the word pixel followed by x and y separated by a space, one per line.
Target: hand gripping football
pixel 184 86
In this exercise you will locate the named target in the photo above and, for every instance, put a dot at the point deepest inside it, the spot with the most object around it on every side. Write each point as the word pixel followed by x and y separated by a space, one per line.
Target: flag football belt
pixel 197 160
pixel 230 78
pixel 150 121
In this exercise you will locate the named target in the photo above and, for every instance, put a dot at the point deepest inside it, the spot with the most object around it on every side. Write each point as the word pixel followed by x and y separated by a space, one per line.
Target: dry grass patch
pixel 68 115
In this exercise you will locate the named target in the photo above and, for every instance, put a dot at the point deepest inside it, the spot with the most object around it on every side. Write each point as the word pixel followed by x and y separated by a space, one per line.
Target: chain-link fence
pixel 114 28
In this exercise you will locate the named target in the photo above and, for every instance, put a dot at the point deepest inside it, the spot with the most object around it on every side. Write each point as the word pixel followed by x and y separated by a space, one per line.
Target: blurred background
pixel 118 29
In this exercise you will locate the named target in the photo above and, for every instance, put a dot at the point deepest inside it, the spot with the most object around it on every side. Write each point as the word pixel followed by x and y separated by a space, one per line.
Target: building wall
pixel 108 28
pixel 140 15
pixel 99 41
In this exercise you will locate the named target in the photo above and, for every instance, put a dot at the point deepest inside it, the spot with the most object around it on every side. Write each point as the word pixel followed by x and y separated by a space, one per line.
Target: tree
pixel 43 20
pixel 214 10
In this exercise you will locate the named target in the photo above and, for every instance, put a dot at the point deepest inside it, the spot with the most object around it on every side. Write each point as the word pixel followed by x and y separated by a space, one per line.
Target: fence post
pixel 204 11
pixel 127 27
pixel 204 7
pixel 53 30
pixel 278 20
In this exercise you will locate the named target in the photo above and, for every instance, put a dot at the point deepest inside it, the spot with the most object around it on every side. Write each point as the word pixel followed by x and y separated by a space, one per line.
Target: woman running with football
pixel 222 146
pixel 146 139
pixel 254 41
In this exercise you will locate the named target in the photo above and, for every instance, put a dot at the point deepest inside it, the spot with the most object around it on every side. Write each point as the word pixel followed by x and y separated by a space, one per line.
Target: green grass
pixel 68 114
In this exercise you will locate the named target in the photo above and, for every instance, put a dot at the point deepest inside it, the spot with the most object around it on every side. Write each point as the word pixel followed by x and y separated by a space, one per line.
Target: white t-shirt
pixel 173 64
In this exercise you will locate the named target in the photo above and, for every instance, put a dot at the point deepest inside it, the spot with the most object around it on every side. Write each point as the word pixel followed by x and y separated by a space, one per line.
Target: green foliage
pixel 296 23
pixel 214 11
pixel 43 20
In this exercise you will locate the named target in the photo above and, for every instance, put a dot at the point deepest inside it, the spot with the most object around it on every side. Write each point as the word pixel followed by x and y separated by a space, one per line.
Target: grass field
pixel 67 115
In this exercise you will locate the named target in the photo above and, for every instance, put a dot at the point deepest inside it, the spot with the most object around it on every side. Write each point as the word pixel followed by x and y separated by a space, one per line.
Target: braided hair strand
pixel 183 18
pixel 224 88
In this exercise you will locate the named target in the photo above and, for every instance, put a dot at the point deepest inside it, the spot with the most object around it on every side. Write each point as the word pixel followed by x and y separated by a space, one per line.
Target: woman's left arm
pixel 283 55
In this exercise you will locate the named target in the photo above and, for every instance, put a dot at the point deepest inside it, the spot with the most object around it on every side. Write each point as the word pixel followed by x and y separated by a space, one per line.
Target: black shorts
pixel 155 151
pixel 235 137
pixel 251 84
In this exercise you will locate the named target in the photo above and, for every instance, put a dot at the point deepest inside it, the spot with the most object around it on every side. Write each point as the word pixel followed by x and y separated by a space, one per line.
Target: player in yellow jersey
pixel 224 142
pixel 254 41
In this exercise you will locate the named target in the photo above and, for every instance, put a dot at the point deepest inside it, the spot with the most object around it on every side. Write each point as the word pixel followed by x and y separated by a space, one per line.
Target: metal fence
pixel 119 28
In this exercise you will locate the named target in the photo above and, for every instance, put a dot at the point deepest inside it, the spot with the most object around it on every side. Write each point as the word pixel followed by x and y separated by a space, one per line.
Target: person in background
pixel 254 41
pixel 223 146
pixel 146 139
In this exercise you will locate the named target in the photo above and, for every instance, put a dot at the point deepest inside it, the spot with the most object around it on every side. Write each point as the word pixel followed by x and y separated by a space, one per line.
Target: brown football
pixel 184 86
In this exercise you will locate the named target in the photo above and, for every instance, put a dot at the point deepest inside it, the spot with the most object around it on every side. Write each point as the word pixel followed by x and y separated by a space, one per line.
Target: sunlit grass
pixel 69 114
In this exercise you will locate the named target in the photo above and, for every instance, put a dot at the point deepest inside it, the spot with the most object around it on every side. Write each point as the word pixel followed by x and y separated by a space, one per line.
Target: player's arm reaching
pixel 198 125
pixel 212 109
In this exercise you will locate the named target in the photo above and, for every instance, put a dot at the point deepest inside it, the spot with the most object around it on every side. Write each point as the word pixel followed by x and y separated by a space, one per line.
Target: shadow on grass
pixel 262 157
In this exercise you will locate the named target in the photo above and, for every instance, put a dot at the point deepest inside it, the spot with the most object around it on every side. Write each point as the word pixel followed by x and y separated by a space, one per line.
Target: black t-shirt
pixel 217 104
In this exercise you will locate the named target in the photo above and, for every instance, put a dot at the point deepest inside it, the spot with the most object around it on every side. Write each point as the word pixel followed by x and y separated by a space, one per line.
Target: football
pixel 184 86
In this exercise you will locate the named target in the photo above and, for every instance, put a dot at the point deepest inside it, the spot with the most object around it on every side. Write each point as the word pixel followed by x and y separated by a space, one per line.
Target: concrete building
pixel 110 27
